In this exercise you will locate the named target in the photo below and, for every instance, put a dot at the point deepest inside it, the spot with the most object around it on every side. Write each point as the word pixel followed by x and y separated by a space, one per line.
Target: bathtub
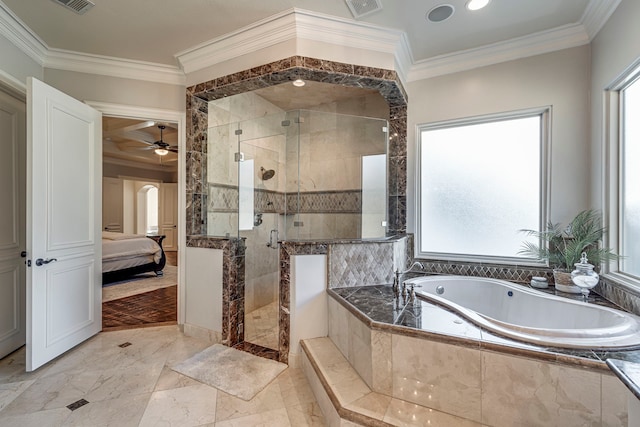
pixel 529 315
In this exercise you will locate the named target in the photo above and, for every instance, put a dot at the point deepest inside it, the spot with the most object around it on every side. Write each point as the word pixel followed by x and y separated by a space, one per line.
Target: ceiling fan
pixel 161 148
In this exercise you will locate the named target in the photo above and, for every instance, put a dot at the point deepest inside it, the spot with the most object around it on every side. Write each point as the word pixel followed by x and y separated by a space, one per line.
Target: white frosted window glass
pixel 630 191
pixel 480 184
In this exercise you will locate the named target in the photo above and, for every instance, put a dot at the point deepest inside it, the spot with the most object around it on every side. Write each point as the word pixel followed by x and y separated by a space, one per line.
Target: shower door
pixel 261 179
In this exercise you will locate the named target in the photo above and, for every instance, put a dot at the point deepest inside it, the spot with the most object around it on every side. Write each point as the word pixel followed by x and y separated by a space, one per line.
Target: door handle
pixel 23 254
pixel 41 261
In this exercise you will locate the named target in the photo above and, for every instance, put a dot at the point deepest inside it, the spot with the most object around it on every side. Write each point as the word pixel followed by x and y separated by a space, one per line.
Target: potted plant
pixel 562 247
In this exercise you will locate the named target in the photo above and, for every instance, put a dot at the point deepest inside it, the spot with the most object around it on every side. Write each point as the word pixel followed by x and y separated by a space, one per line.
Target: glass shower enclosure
pixel 300 176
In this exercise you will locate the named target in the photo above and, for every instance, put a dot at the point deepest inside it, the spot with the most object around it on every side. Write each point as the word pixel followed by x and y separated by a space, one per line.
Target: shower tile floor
pixel 123 378
pixel 261 326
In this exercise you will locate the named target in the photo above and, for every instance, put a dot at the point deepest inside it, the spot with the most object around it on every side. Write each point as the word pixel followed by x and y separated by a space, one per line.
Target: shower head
pixel 266 174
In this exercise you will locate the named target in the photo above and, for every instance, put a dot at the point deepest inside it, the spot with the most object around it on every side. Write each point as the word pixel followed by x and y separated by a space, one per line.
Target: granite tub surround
pixel 410 350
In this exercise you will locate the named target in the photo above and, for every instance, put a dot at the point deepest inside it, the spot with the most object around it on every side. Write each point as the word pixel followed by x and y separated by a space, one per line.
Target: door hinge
pixel 239 157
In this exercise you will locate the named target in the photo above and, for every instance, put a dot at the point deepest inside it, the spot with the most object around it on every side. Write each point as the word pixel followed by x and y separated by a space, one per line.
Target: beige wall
pixel 17 64
pixel 559 79
pixel 614 49
pixel 91 87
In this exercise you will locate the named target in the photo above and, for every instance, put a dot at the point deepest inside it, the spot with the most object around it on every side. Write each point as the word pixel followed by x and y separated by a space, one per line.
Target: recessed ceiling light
pixel 477 4
pixel 299 83
pixel 440 13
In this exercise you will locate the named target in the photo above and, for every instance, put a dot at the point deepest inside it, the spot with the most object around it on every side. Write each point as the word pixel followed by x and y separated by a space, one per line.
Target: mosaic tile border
pixel 494 271
pixel 224 198
pixel 619 295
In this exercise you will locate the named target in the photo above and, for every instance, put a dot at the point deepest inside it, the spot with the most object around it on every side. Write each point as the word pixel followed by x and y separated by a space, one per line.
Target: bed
pixel 125 255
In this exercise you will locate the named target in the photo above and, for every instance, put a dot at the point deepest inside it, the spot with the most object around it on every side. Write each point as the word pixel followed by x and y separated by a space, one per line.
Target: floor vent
pixel 78 6
pixel 77 404
pixel 360 8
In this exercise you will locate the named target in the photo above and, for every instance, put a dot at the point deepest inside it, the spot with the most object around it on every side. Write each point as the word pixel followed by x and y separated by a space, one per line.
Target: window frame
pixel 612 172
pixel 544 170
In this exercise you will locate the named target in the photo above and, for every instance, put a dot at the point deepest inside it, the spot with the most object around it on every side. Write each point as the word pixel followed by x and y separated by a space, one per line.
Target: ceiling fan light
pixel 161 151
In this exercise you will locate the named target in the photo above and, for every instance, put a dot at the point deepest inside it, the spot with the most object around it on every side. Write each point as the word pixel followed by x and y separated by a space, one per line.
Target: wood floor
pixel 152 308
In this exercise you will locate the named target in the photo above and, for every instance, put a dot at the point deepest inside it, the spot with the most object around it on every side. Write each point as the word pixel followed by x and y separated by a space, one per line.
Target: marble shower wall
pixel 385 82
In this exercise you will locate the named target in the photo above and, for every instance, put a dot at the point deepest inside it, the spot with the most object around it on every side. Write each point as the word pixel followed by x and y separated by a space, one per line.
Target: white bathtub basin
pixel 529 315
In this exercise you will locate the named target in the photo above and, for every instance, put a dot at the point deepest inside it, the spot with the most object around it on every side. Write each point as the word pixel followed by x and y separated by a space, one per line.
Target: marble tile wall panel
pixel 360 348
pixel 338 321
pixel 233 259
pixel 360 264
pixel 519 391
pixel 439 376
pixel 381 362
pixel 614 402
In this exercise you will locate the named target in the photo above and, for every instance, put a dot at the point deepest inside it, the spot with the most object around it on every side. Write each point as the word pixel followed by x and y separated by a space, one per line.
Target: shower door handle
pixel 273 243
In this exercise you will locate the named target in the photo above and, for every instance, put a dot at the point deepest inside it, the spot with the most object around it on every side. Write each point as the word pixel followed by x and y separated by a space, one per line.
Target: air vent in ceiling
pixel 78 6
pixel 360 8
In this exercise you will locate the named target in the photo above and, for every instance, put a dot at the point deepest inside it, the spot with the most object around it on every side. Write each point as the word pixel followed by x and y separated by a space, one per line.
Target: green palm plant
pixel 562 247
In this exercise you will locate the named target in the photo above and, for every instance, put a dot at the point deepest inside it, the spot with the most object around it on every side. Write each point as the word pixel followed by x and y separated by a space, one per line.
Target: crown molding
pixel 113 67
pixel 535 44
pixel 18 33
pixel 140 164
pixel 21 36
pixel 302 24
pixel 291 25
pixel 261 34
pixel 597 14
pixel 593 19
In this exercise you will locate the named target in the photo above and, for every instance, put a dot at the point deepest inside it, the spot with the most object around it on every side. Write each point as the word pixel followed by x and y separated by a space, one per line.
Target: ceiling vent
pixel 360 8
pixel 78 6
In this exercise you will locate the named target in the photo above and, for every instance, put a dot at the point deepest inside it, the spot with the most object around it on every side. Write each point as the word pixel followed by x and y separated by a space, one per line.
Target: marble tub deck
pixel 124 377
pixel 382 309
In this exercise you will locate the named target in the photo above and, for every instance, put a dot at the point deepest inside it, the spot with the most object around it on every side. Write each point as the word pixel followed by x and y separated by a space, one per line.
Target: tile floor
pixel 132 385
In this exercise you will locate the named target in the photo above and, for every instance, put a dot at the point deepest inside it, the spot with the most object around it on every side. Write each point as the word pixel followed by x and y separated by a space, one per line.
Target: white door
pixel 64 168
pixel 12 227
pixel 169 216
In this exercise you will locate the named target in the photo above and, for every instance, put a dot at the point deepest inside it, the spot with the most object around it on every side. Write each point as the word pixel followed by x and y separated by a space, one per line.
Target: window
pixel 622 188
pixel 481 180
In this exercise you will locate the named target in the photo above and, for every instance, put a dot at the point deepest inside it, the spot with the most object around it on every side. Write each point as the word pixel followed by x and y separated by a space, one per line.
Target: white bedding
pixel 121 251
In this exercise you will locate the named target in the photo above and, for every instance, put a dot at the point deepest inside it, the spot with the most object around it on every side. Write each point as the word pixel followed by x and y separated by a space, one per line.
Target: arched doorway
pixel 147 210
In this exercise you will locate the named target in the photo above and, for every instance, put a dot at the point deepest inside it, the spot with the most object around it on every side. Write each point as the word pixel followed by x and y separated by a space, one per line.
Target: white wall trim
pixel 535 44
pixel 140 165
pixel 597 14
pixel 295 24
pixel 9 82
pixel 262 34
pixel 291 25
pixel 21 36
pixel 114 67
pixel 145 113
pixel 18 33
